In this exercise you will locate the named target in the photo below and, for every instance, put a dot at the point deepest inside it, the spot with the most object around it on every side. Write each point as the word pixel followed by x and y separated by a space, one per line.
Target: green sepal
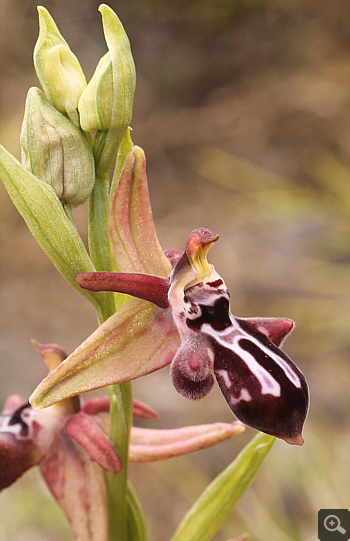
pixel 48 222
pixel 212 508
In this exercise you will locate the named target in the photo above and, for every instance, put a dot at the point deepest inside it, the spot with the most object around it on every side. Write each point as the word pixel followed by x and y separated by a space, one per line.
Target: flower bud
pixel 106 103
pixel 55 151
pixel 57 68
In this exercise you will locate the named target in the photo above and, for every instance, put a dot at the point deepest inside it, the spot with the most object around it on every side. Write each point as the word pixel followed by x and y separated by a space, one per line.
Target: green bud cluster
pixel 55 139
pixel 63 164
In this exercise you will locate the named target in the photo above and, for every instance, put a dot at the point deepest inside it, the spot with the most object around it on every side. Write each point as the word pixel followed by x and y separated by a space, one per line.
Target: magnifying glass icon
pixel 332 524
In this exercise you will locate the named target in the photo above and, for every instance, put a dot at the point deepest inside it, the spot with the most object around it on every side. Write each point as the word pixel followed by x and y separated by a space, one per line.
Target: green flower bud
pixel 55 151
pixel 106 103
pixel 57 68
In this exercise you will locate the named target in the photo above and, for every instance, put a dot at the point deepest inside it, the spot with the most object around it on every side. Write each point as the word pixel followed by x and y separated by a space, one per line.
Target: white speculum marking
pixel 12 429
pixel 229 338
pixel 244 395
pixel 224 375
pixel 211 357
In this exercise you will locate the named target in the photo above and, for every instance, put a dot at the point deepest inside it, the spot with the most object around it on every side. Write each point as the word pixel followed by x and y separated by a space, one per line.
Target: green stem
pixel 121 419
pixel 122 505
pixel 99 244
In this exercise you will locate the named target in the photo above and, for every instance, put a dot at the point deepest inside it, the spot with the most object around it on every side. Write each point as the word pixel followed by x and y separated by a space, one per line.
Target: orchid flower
pixel 70 449
pixel 68 442
pixel 180 316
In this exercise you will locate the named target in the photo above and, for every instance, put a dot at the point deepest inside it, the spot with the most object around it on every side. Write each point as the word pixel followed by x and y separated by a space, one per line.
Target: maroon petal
pixel 143 286
pixel 173 256
pixel 262 386
pixel 84 431
pixel 19 445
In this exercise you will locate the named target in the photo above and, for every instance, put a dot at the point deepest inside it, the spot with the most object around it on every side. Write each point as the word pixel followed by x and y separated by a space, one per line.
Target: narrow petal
pixel 147 445
pixel 84 431
pixel 79 487
pixel 102 405
pixel 144 411
pixel 134 240
pixel 12 403
pixel 135 341
pixel 96 405
pixel 53 355
pixel 143 286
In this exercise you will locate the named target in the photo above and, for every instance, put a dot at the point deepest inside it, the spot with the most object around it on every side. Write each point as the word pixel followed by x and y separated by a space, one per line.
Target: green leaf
pixel 136 523
pixel 212 508
pixel 46 219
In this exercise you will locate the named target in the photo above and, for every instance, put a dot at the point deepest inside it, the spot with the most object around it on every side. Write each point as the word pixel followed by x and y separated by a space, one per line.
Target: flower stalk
pixel 121 421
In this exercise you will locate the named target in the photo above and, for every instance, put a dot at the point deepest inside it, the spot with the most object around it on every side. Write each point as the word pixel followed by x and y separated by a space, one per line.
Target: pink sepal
pixel 137 340
pixel 79 487
pixel 134 240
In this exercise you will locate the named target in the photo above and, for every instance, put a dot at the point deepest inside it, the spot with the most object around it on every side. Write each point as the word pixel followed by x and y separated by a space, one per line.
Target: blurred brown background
pixel 242 109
